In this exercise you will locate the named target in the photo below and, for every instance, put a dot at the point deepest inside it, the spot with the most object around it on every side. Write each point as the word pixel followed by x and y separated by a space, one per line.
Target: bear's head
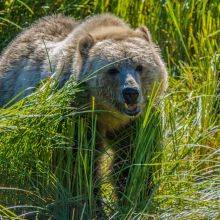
pixel 121 67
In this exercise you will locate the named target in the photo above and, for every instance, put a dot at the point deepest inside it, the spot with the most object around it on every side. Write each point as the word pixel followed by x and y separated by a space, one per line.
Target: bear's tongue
pixel 131 107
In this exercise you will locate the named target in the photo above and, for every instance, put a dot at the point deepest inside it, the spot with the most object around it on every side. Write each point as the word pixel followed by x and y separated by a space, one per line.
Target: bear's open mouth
pixel 132 110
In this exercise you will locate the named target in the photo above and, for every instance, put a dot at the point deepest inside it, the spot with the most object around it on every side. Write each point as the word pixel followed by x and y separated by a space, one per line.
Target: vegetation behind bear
pixel 188 185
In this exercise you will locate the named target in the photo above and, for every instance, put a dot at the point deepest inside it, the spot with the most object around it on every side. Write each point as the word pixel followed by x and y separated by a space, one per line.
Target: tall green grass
pixel 47 147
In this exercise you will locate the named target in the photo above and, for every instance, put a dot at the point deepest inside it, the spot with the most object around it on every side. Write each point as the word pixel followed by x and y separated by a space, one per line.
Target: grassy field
pixel 42 173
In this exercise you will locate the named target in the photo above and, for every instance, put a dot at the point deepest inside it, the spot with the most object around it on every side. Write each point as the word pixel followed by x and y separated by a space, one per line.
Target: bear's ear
pixel 144 32
pixel 85 44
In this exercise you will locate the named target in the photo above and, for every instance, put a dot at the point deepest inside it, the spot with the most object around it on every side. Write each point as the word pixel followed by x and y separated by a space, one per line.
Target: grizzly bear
pixel 124 63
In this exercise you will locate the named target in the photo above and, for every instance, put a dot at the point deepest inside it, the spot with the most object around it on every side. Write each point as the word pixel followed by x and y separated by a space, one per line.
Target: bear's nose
pixel 130 95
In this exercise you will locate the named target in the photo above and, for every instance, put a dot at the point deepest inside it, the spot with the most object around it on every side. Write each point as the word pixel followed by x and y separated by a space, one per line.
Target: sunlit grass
pixel 46 146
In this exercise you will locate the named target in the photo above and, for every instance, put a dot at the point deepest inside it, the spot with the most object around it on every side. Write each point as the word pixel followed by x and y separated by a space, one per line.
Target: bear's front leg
pixel 102 179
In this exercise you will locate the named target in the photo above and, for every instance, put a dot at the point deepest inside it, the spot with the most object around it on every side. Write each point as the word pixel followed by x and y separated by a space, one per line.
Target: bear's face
pixel 121 74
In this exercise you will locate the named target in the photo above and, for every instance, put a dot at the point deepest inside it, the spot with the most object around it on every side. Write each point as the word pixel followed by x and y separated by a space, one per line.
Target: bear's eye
pixel 139 68
pixel 113 71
